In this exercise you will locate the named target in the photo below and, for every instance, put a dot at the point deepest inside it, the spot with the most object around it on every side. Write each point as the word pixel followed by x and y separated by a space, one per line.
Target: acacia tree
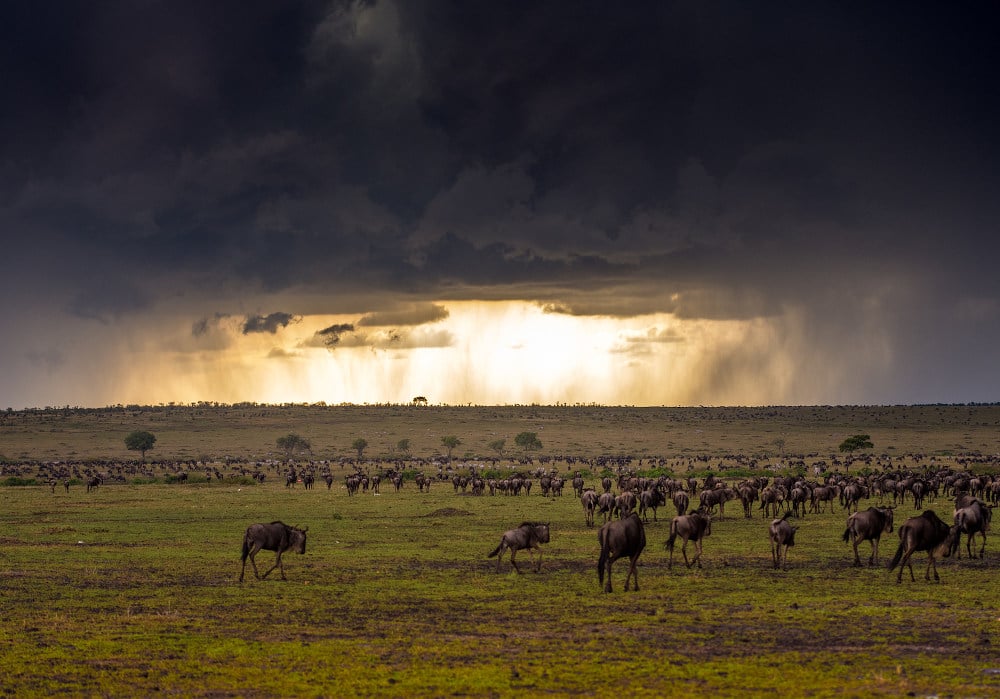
pixel 449 443
pixel 497 445
pixel 858 441
pixel 360 444
pixel 140 441
pixel 852 444
pixel 292 443
pixel 528 441
pixel 404 446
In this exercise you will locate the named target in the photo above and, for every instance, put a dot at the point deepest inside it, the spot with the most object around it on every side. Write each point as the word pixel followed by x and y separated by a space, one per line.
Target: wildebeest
pixel 276 536
pixel 681 501
pixel 929 533
pixel 972 516
pixel 868 526
pixel 650 500
pixel 589 501
pixel 93 482
pixel 528 535
pixel 625 537
pixel 606 505
pixel 782 536
pixel 695 527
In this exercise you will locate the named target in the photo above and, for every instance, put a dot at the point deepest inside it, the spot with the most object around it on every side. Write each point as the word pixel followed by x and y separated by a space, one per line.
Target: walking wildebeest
pixel 92 483
pixel 972 516
pixel 695 526
pixel 618 538
pixel 650 500
pixel 681 501
pixel 923 533
pixel 589 501
pixel 276 536
pixel 868 526
pixel 782 535
pixel 606 505
pixel 528 535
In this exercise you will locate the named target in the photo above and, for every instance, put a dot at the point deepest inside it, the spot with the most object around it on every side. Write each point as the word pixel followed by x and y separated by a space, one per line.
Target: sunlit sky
pixel 657 204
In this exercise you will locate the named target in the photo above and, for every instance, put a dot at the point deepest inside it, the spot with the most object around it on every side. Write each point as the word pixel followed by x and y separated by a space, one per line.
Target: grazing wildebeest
pixel 868 526
pixel 972 516
pixel 277 537
pixel 923 533
pixel 782 535
pixel 620 538
pixel 695 527
pixel 589 501
pixel 528 535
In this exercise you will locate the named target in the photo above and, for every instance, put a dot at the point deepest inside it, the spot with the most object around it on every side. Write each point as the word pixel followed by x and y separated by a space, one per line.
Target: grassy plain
pixel 132 589
pixel 250 432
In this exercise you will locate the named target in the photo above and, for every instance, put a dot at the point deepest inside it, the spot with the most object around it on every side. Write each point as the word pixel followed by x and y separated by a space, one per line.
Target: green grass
pixel 132 590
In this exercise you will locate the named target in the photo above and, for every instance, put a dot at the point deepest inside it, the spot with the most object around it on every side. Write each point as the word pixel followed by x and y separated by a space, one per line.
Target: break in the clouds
pixel 813 182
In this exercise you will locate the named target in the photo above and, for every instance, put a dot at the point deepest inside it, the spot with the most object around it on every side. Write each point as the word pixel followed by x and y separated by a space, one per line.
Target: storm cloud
pixel 828 168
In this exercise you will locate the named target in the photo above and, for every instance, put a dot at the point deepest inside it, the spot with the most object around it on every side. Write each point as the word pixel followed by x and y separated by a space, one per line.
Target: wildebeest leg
pixel 857 557
pixel 607 571
pixel 931 564
pixel 633 573
pixel 277 564
pixel 512 561
pixel 874 557
pixel 684 547
pixel 251 554
pixel 906 563
pixel 697 554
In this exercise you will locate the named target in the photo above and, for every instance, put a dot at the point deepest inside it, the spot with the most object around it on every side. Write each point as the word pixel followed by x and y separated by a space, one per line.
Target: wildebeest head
pixel 298 539
pixel 542 532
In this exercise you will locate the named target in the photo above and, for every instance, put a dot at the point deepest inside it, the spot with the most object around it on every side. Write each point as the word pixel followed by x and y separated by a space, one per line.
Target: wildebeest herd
pixel 622 533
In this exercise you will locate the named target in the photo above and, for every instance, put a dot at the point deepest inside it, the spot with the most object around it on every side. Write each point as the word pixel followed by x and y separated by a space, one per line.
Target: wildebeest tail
pixel 673 535
pixel 847 534
pixel 897 558
pixel 246 550
pixel 495 551
pixel 603 559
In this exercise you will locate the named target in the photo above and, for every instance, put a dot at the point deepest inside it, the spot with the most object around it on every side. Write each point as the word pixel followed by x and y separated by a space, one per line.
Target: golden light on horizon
pixel 481 353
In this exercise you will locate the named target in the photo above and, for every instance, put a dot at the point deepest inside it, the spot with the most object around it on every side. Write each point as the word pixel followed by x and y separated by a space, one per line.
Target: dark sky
pixel 828 163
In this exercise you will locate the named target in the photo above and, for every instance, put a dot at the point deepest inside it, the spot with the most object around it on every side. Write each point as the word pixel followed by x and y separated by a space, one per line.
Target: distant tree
pixel 449 443
pixel 420 400
pixel 497 445
pixel 292 444
pixel 779 442
pixel 853 444
pixel 404 446
pixel 140 441
pixel 858 441
pixel 528 441
pixel 360 444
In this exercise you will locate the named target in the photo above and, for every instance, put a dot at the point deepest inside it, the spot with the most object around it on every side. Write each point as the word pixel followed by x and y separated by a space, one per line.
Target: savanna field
pixel 132 588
